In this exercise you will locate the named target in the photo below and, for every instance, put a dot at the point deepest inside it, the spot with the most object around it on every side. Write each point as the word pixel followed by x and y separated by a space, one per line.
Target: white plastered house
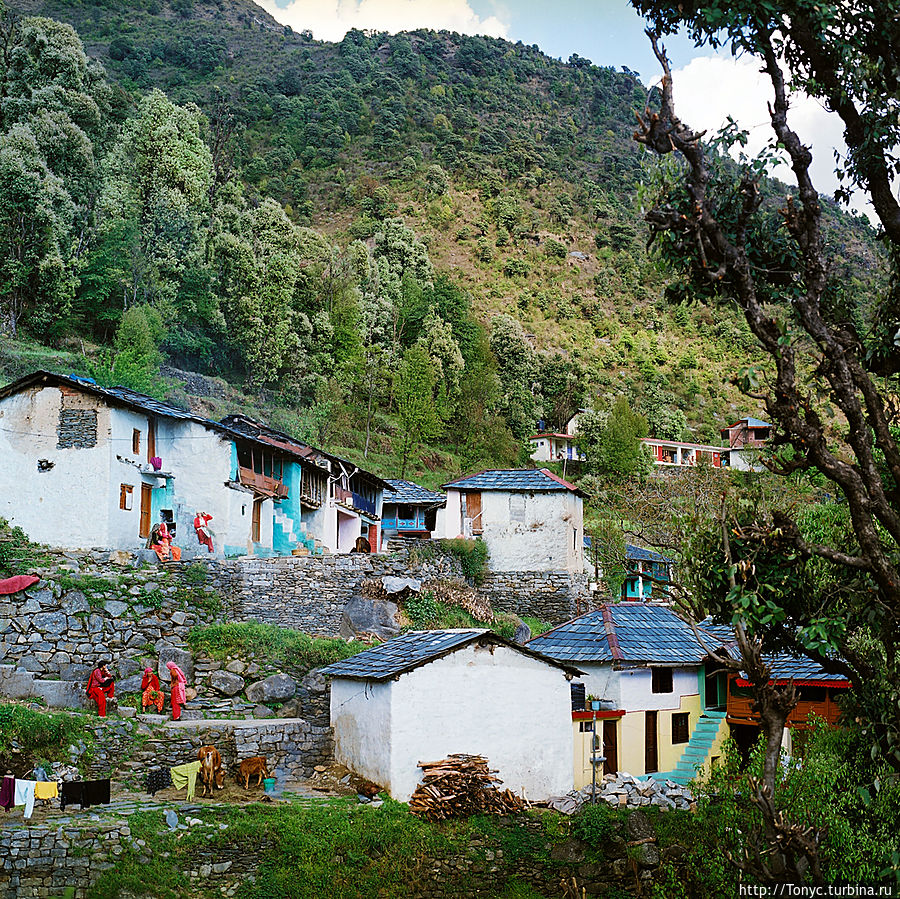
pixel 428 694
pixel 530 519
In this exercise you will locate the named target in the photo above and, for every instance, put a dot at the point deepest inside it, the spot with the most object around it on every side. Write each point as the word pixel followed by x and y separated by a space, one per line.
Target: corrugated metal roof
pixel 416 648
pixel 626 631
pixel 410 494
pixel 528 480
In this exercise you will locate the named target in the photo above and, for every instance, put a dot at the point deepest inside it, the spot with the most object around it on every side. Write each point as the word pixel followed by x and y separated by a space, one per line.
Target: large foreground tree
pixel 829 589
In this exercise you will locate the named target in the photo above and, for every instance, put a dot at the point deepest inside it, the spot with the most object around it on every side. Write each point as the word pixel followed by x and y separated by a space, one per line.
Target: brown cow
pixel 255 766
pixel 211 771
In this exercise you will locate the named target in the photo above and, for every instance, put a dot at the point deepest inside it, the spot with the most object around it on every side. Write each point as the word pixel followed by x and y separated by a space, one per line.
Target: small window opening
pixel 126 497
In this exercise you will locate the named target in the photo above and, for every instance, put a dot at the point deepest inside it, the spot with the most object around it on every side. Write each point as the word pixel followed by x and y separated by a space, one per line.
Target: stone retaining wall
pixel 553 596
pixel 41 862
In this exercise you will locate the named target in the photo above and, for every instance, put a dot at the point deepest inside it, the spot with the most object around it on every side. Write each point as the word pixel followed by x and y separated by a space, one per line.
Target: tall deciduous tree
pixel 416 409
pixel 848 55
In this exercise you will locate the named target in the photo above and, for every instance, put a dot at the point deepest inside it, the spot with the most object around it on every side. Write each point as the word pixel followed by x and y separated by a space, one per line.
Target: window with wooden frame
pixel 126 497
pixel 136 442
pixel 662 680
pixel 680 727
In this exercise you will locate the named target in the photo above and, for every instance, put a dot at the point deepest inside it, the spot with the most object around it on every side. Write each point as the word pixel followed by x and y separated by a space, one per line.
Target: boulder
pixel 364 616
pixel 291 709
pixel 638 826
pixel 275 688
pixel 236 666
pixel 181 657
pixel 522 634
pixel 262 711
pixel 226 683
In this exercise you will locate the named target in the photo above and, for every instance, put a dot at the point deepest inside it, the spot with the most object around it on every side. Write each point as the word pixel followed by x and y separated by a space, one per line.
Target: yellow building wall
pixel 670 753
pixel 582 758
pixel 631 743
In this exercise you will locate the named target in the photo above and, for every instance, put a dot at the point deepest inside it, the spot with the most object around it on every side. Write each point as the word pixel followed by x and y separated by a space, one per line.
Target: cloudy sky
pixel 708 87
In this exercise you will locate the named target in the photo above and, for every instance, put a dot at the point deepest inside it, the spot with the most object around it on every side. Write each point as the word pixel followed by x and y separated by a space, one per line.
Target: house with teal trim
pixel 644 701
pixel 648 574
pixel 410 510
pixel 84 466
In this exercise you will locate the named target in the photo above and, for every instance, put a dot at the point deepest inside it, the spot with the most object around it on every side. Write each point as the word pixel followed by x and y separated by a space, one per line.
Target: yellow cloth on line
pixel 186 776
pixel 46 789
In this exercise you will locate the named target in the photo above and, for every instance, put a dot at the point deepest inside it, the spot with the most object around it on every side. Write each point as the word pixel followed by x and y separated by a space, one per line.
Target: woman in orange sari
pixel 151 695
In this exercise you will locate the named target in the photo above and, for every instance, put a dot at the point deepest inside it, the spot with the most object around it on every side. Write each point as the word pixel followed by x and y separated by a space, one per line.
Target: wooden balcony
pixel 261 483
pixel 740 710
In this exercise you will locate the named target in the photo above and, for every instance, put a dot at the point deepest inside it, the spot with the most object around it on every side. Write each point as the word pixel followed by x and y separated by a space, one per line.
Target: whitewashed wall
pixel 67 505
pixel 361 719
pixel 496 702
pixel 533 531
pixel 631 689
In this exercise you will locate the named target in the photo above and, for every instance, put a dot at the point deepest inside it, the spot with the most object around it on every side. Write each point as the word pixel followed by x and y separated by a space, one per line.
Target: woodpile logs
pixel 461 785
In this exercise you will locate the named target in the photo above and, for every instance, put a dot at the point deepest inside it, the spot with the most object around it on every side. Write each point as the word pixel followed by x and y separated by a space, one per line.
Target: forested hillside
pixel 407 248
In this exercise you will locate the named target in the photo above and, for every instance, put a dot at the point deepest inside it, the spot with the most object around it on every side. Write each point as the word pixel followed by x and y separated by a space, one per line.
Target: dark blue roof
pixel 627 632
pixel 416 648
pixel 410 494
pixel 784 666
pixel 529 480
pixel 640 554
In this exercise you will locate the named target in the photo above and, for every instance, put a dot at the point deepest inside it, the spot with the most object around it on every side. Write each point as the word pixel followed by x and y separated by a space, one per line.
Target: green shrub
pixel 40 736
pixel 423 610
pixel 472 555
pixel 595 824
pixel 274 644
pixel 196 573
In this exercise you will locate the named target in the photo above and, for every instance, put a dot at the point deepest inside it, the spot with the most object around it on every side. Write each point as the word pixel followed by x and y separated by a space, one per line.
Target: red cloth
pixel 177 697
pixel 149 680
pixel 17 584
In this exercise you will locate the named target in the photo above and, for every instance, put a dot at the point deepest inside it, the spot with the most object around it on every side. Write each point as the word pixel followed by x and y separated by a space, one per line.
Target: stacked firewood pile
pixel 459 786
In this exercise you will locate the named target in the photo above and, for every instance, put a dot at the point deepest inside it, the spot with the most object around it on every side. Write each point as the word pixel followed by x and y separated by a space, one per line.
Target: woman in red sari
pixel 101 687
pixel 179 681
pixel 151 695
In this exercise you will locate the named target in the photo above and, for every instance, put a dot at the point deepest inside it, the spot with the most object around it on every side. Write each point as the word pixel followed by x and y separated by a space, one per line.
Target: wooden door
pixel 257 515
pixel 151 438
pixel 473 511
pixel 610 747
pixel 146 514
pixel 373 537
pixel 651 757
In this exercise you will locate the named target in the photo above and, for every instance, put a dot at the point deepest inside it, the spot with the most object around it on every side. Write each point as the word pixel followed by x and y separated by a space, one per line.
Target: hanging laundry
pixel 72 792
pixel 25 795
pixel 7 792
pixel 46 789
pixel 186 776
pixel 95 792
pixel 158 779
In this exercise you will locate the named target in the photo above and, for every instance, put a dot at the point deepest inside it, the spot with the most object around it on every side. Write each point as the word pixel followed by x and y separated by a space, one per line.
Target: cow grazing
pixel 211 771
pixel 254 767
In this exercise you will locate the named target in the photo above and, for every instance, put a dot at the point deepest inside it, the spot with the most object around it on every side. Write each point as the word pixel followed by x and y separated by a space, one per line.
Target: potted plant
pixel 592 703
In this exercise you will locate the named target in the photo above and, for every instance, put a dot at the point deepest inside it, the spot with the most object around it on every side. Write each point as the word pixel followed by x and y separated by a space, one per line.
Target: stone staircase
pixel 707 732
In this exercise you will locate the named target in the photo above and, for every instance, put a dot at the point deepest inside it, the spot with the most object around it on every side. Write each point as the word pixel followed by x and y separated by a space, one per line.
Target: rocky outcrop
pixel 275 688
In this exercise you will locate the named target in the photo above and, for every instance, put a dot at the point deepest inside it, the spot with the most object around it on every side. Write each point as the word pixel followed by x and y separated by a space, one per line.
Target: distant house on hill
pixel 744 440
pixel 677 453
pixel 410 510
pixel 552 446
pixel 83 465
pixel 530 519
pixel 427 694
pixel 649 572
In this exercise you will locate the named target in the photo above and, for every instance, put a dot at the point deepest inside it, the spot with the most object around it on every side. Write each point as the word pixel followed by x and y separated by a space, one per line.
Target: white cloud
pixel 329 20
pixel 710 88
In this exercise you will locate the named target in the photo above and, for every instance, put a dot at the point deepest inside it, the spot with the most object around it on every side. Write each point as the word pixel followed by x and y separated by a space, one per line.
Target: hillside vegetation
pixel 404 248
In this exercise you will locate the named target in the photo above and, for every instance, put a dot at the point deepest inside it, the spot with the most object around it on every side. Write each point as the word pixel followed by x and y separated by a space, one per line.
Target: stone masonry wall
pixel 552 596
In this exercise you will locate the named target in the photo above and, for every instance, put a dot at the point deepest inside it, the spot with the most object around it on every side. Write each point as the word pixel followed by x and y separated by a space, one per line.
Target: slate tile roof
pixel 641 554
pixel 511 480
pixel 416 648
pixel 627 632
pixel 409 494
pixel 784 666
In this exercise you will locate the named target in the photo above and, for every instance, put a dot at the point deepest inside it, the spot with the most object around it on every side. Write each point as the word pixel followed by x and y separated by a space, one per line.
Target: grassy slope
pixel 608 312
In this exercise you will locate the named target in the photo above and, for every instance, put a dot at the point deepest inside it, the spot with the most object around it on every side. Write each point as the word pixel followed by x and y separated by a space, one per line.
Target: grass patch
pixel 536 625
pixel 40 736
pixel 274 644
pixel 17 553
